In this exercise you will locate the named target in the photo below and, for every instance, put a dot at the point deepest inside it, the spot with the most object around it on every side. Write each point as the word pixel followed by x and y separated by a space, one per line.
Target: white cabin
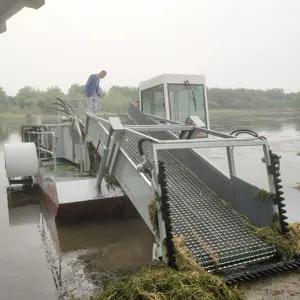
pixel 175 97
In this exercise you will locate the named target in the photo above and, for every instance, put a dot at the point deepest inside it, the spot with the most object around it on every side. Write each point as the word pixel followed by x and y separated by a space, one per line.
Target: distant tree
pixel 76 91
pixel 117 99
pixel 115 102
pixel 127 91
pixel 248 98
pixel 296 100
pixel 27 96
pixel 11 100
pixel 3 96
pixel 49 97
pixel 53 92
pixel 75 95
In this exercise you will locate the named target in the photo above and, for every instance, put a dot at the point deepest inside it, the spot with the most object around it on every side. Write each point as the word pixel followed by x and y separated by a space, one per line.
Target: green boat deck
pixel 65 170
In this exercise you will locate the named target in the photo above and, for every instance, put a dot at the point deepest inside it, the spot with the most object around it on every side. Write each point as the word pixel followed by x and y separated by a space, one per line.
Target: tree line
pixel 117 99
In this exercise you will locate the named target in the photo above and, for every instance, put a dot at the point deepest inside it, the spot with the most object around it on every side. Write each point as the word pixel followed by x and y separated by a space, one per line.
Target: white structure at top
pixel 175 97
pixel 8 8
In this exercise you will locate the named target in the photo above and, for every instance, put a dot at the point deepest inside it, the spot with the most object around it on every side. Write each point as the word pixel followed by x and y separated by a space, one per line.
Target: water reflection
pixel 297 125
pixel 267 123
pixel 80 256
pixel 23 207
pixel 13 126
pixel 284 141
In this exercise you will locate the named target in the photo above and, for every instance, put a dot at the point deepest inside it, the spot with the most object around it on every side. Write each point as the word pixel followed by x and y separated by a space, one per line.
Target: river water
pixel 40 259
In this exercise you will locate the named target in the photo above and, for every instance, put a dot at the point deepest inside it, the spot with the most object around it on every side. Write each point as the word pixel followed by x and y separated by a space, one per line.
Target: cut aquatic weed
pixel 183 256
pixel 262 195
pixel 110 179
pixel 227 204
pixel 288 245
pixel 152 208
pixel 156 281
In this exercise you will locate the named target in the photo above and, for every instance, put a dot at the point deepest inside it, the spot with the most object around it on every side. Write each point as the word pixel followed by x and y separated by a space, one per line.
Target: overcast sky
pixel 234 43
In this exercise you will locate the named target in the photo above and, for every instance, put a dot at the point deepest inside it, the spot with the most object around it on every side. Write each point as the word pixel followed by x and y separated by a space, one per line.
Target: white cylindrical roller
pixel 20 160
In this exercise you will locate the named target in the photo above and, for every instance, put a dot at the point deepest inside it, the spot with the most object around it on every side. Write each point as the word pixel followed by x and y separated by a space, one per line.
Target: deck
pixel 65 170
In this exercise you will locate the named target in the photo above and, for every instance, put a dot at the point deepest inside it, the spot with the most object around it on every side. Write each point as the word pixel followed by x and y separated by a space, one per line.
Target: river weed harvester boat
pixel 155 157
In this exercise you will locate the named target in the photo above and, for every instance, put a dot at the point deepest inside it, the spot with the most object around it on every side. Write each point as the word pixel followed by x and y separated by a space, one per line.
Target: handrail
pixel 96 118
pixel 81 143
pixel 142 135
pixel 178 127
pixel 53 145
pixel 162 119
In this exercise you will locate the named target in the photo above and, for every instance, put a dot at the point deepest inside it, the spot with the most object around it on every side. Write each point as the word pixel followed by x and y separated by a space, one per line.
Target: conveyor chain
pixel 256 272
pixel 279 199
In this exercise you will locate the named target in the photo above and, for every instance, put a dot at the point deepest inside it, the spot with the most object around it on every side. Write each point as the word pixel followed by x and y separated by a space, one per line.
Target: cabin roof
pixel 171 78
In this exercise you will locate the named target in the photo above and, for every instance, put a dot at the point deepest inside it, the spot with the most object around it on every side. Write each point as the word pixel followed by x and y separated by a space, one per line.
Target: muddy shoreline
pixel 284 286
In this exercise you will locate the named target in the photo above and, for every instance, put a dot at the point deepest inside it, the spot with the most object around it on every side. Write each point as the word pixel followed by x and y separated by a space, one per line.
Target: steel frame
pixel 228 142
pixel 114 142
pixel 53 152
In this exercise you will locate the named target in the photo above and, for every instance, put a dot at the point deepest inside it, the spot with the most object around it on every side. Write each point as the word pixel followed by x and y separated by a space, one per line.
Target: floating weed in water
pixel 287 245
pixel 156 281
pixel 297 186
pixel 298 154
pixel 94 271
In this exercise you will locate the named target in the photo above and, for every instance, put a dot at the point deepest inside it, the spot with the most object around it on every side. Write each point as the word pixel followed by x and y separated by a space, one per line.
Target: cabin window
pixel 186 101
pixel 153 101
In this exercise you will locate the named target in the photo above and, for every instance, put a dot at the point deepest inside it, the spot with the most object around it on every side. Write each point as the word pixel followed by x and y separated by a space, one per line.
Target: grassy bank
pixel 20 116
pixel 212 112
pixel 12 116
pixel 247 112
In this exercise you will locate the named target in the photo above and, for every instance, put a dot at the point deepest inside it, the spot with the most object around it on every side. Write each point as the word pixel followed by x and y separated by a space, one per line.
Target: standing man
pixel 91 91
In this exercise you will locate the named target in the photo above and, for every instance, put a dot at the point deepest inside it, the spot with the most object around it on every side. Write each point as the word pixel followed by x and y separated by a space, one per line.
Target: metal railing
pixel 81 143
pixel 112 135
pixel 81 137
pixel 227 141
pixel 53 152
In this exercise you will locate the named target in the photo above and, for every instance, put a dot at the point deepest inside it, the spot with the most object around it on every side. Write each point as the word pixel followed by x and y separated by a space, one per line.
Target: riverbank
pixel 10 116
pixel 249 112
pixel 212 113
pixel 284 286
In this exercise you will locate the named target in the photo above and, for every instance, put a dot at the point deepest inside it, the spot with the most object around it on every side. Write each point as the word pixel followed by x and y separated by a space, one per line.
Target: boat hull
pixel 77 199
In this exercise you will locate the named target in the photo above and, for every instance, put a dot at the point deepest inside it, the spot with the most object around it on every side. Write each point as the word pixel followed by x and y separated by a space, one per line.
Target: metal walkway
pixel 217 236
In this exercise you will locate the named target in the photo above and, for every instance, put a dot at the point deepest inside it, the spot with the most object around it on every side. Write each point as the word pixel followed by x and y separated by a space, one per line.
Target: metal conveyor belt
pixel 217 236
